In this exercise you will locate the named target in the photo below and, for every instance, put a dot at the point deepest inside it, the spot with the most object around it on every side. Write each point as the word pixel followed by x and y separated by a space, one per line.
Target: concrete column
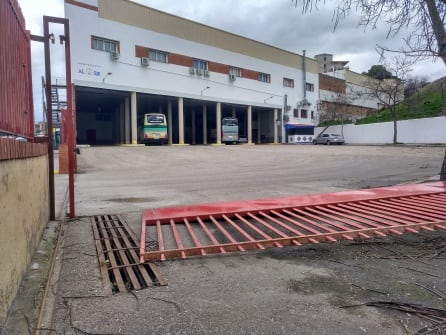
pixel 259 128
pixel 233 111
pixel 218 116
pixel 169 121
pixel 249 118
pixel 127 120
pixel 180 121
pixel 276 134
pixel 134 125
pixel 205 129
pixel 194 138
pixel 116 126
pixel 121 124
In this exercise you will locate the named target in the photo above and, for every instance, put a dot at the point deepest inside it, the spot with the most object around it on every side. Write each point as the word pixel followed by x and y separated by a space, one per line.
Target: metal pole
pixel 72 138
pixel 49 116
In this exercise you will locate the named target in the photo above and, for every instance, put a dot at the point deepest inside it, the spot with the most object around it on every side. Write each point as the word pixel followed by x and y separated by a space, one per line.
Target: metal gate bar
pixel 258 224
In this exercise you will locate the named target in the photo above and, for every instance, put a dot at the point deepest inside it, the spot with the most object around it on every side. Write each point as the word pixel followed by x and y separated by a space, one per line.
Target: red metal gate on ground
pixel 200 230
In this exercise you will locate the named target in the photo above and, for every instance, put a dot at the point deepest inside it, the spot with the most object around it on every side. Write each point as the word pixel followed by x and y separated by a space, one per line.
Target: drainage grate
pixel 117 248
pixel 258 224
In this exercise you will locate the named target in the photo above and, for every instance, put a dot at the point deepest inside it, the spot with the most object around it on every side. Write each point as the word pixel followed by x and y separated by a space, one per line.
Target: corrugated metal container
pixel 16 105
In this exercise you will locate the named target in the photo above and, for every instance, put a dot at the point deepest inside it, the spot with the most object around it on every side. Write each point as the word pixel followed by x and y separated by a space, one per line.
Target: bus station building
pixel 128 60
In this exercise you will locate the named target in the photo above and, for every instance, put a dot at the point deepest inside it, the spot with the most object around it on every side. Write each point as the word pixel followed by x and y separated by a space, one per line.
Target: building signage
pixel 88 69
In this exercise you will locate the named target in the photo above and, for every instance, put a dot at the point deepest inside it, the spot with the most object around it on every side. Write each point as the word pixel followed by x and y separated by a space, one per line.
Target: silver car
pixel 329 139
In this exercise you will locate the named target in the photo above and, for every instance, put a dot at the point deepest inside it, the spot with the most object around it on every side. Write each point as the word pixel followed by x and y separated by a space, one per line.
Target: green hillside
pixel 430 101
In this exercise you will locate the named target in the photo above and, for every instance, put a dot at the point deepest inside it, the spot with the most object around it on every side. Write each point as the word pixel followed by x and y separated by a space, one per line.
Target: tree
pixel 443 169
pixel 378 72
pixel 390 92
pixel 336 107
pixel 413 84
pixel 424 19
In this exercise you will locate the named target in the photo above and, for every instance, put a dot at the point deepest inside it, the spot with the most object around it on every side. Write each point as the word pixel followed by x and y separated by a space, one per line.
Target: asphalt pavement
pixel 288 291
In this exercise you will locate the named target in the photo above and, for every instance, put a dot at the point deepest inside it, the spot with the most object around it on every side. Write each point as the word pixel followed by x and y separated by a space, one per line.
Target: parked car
pixel 329 139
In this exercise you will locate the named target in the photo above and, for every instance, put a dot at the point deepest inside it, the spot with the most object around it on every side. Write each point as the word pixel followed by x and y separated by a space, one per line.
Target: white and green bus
pixel 154 130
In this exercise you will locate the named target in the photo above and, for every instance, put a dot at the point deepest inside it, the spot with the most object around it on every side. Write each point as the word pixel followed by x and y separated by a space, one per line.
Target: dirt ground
pixel 314 289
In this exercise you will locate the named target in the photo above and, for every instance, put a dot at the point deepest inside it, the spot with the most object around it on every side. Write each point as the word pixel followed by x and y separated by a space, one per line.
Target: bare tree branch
pixel 423 19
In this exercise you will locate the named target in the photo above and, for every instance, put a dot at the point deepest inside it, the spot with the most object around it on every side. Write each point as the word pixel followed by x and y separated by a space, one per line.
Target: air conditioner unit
pixel 305 102
pixel 199 72
pixel 232 77
pixel 192 70
pixel 114 55
pixel 144 61
pixel 206 73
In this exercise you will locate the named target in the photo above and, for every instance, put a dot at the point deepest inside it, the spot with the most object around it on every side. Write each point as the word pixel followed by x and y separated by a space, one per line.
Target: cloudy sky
pixel 275 22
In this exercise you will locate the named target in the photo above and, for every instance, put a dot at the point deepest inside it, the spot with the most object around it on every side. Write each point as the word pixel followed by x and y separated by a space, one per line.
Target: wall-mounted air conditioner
pixel 144 61
pixel 305 102
pixel 232 77
pixel 192 70
pixel 114 55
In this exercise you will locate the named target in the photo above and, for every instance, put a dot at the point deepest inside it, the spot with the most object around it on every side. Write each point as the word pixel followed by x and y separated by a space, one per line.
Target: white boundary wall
pixel 423 131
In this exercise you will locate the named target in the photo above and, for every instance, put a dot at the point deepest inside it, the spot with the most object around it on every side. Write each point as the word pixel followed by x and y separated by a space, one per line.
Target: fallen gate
pixel 218 228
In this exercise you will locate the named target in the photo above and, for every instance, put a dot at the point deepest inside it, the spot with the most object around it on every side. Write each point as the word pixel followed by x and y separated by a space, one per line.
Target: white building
pixel 128 60
pixel 327 64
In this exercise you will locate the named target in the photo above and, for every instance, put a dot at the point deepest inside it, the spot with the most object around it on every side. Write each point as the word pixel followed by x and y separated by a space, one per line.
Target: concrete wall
pixel 24 214
pixel 423 131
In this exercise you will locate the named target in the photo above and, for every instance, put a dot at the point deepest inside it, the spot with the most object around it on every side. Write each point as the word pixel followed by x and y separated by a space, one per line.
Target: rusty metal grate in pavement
pixel 117 248
pixel 239 226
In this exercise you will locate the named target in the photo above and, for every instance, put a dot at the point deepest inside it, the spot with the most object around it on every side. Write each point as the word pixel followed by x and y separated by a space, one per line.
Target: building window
pixel 265 77
pixel 200 64
pixel 236 71
pixel 103 44
pixel 303 113
pixel 288 82
pixel 295 112
pixel 309 87
pixel 312 115
pixel 158 56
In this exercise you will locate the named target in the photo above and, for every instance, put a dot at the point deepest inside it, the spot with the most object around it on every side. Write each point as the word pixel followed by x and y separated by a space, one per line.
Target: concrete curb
pixel 45 321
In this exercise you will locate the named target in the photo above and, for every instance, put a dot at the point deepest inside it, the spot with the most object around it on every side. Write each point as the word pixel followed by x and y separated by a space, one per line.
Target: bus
pixel 155 129
pixel 229 130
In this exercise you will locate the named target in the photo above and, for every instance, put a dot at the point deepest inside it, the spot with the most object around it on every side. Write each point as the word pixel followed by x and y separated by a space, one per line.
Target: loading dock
pixel 109 117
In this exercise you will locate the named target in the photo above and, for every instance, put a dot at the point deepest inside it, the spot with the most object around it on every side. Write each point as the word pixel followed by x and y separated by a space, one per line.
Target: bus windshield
pixel 154 118
pixel 229 122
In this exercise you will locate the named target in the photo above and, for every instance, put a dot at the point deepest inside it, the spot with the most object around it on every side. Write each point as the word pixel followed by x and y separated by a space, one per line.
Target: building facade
pixel 128 60
pixel 345 95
